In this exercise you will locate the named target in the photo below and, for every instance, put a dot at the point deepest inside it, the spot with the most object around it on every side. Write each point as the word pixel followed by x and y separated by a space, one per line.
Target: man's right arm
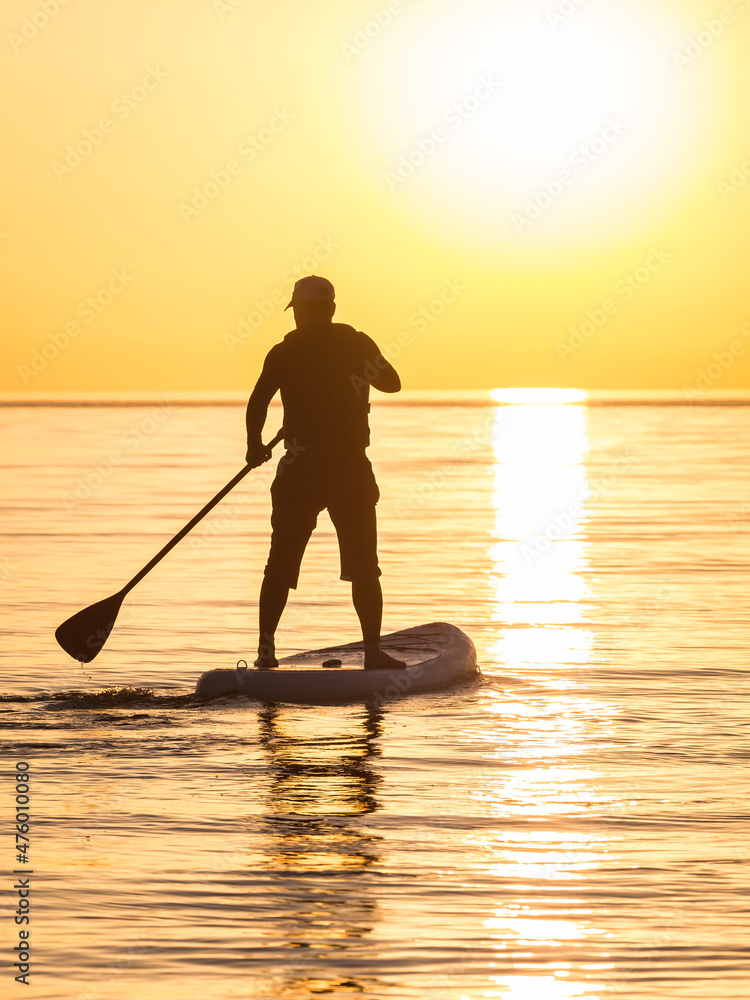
pixel 257 409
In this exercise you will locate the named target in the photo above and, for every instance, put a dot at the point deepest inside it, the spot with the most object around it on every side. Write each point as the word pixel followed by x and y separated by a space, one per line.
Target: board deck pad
pixel 423 644
pixel 437 655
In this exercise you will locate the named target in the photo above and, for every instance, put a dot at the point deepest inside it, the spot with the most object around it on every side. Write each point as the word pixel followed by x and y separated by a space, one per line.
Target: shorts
pixel 306 485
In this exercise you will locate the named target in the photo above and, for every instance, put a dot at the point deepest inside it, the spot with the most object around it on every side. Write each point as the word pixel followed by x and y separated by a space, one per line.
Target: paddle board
pixel 437 655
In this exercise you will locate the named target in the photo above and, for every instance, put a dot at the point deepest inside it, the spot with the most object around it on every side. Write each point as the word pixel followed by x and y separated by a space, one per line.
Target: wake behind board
pixel 437 655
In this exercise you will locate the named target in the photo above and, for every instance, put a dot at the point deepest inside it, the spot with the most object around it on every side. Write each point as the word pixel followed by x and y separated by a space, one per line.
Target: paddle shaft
pixel 192 523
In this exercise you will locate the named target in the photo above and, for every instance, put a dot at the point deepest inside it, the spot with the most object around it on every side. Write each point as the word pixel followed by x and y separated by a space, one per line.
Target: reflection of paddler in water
pixel 298 780
pixel 320 786
pixel 324 371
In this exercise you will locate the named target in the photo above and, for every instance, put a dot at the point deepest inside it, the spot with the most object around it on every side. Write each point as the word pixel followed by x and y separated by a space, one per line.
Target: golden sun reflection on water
pixel 539 497
pixel 544 988
pixel 540 591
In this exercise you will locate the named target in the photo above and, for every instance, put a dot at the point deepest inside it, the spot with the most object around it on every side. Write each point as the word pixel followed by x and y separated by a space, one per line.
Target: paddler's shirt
pixel 324 373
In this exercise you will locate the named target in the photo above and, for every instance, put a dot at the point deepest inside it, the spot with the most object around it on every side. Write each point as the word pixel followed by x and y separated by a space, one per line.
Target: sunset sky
pixel 516 193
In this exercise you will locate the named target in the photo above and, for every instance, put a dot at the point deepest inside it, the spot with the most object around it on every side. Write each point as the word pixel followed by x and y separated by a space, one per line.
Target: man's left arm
pixel 380 373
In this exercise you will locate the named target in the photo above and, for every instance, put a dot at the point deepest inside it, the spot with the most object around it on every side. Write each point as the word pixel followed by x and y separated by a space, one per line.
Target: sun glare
pixel 549 396
pixel 539 552
pixel 495 120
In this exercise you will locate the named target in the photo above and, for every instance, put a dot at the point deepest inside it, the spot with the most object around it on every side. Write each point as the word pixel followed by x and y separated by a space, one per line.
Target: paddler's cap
pixel 312 289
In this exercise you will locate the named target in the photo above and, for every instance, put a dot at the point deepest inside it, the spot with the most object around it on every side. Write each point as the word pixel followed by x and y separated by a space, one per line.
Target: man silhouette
pixel 324 371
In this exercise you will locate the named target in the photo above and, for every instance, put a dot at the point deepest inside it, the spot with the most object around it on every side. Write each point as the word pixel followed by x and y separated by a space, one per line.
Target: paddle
pixel 83 635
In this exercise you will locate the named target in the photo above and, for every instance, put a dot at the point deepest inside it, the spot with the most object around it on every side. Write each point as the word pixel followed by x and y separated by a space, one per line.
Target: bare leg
pixel 273 598
pixel 367 597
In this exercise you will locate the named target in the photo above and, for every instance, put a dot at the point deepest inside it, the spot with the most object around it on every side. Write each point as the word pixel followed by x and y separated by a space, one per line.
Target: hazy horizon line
pixel 408 397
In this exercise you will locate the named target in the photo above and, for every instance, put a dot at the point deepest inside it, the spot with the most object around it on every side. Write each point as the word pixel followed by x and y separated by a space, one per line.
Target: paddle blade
pixel 83 635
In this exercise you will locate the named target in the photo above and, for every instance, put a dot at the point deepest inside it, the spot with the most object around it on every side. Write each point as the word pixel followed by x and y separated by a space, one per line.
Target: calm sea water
pixel 575 824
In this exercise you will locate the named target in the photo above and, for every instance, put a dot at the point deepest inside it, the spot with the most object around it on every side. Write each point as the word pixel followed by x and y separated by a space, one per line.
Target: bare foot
pixel 378 660
pixel 266 652
pixel 266 661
